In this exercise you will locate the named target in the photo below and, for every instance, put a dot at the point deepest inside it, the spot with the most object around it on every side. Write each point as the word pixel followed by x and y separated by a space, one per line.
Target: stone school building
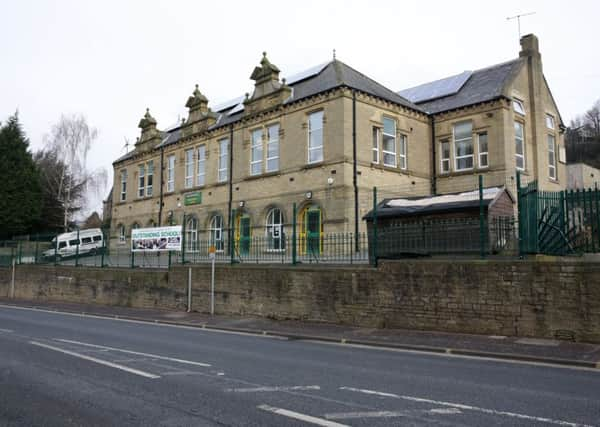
pixel 322 139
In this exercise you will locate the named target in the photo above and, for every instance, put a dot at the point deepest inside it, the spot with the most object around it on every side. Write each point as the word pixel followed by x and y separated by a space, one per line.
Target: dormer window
pixel 518 106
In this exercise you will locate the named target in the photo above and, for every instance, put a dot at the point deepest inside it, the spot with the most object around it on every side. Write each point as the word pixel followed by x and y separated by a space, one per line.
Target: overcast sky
pixel 109 60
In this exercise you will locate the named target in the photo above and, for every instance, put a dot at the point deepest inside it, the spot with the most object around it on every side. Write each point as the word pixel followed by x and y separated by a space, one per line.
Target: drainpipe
pixel 354 171
pixel 160 203
pixel 230 220
pixel 433 159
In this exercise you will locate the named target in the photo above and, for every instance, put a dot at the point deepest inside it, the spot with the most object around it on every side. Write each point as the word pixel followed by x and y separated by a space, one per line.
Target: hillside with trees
pixel 582 138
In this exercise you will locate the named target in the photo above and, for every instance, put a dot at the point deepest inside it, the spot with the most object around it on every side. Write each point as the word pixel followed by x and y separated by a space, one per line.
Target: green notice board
pixel 194 198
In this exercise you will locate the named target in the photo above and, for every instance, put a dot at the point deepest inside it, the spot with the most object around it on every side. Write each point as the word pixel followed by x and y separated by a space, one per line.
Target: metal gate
pixel 558 222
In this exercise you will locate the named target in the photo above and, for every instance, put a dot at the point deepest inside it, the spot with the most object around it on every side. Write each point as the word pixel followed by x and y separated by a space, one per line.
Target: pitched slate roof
pixel 329 76
pixel 483 85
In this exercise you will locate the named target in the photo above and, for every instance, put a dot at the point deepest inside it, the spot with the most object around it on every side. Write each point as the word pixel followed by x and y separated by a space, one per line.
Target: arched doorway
pixel 243 234
pixel 311 230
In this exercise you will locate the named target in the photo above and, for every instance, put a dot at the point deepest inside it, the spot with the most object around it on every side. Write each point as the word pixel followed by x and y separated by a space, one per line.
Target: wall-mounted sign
pixel 194 198
pixel 156 239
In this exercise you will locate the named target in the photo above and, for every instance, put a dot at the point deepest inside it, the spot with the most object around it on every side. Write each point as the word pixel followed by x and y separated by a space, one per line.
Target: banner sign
pixel 194 198
pixel 156 239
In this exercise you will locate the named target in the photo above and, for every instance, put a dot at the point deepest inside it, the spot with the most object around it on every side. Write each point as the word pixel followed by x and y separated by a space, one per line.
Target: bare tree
pixel 70 141
pixel 592 119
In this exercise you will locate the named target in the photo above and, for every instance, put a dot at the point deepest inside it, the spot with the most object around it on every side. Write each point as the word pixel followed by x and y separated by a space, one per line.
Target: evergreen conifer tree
pixel 20 190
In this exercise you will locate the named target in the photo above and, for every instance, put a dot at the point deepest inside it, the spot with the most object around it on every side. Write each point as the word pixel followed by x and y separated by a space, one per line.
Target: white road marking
pixel 299 416
pixel 153 356
pixel 99 361
pixel 6 331
pixel 467 407
pixel 392 414
pixel 276 388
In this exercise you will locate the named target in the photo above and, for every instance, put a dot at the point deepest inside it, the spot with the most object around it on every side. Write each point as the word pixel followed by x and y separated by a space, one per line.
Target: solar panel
pixel 437 89
pixel 228 104
pixel 238 108
pixel 302 75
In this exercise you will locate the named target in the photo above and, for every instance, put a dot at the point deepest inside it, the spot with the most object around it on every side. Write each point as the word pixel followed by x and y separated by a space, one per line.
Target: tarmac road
pixel 61 369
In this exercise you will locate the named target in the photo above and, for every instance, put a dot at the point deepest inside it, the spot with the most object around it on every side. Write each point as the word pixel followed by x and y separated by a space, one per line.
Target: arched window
pixel 191 234
pixel 151 223
pixel 121 228
pixel 216 232
pixel 135 226
pixel 274 230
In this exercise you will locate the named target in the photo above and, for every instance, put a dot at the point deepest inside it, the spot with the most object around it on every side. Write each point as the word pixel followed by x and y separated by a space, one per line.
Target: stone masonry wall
pixel 541 298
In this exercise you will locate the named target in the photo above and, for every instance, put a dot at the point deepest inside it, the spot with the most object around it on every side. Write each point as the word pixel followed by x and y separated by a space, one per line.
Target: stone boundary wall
pixel 539 298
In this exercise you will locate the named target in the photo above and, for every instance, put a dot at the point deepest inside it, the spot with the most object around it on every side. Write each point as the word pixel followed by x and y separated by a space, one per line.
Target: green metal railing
pixel 558 222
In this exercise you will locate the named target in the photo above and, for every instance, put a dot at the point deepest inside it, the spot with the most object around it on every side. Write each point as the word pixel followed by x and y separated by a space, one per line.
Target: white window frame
pixel 519 106
pixel 387 152
pixel 256 151
pixel 150 178
pixel 481 153
pixel 522 139
pixel 141 180
pixel 189 168
pixel 311 147
pixel 273 141
pixel 375 145
pixel 215 233
pixel 271 227
pixel 171 173
pixel 403 152
pixel 466 156
pixel 445 162
pixel 191 234
pixel 550 123
pixel 201 167
pixel 124 185
pixel 222 168
pixel 122 236
pixel 551 141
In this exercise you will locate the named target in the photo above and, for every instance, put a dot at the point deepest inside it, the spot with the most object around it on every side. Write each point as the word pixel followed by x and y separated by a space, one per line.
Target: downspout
pixel 162 179
pixel 354 171
pixel 230 220
pixel 433 159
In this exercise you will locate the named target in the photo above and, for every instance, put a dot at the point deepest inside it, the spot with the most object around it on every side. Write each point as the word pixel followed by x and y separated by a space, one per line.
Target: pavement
pixel 69 369
pixel 499 347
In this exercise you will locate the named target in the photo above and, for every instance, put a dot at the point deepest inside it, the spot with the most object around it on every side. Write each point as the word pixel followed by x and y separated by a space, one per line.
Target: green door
pixel 313 231
pixel 244 235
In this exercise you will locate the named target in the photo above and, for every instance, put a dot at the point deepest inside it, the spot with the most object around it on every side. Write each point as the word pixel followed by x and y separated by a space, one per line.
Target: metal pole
pixel 232 236
pixel 212 285
pixel 12 281
pixel 519 215
pixel 37 243
pixel 375 226
pixel 481 219
pixel 183 241
pixel 189 289
pixel 77 250
pixel 294 255
pixel 596 199
pixel 103 249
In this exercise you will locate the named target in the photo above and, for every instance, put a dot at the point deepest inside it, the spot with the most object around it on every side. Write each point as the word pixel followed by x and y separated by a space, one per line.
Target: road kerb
pixel 337 340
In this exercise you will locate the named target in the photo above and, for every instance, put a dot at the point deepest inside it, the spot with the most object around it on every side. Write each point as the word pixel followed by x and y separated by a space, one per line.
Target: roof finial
pixel 334 54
